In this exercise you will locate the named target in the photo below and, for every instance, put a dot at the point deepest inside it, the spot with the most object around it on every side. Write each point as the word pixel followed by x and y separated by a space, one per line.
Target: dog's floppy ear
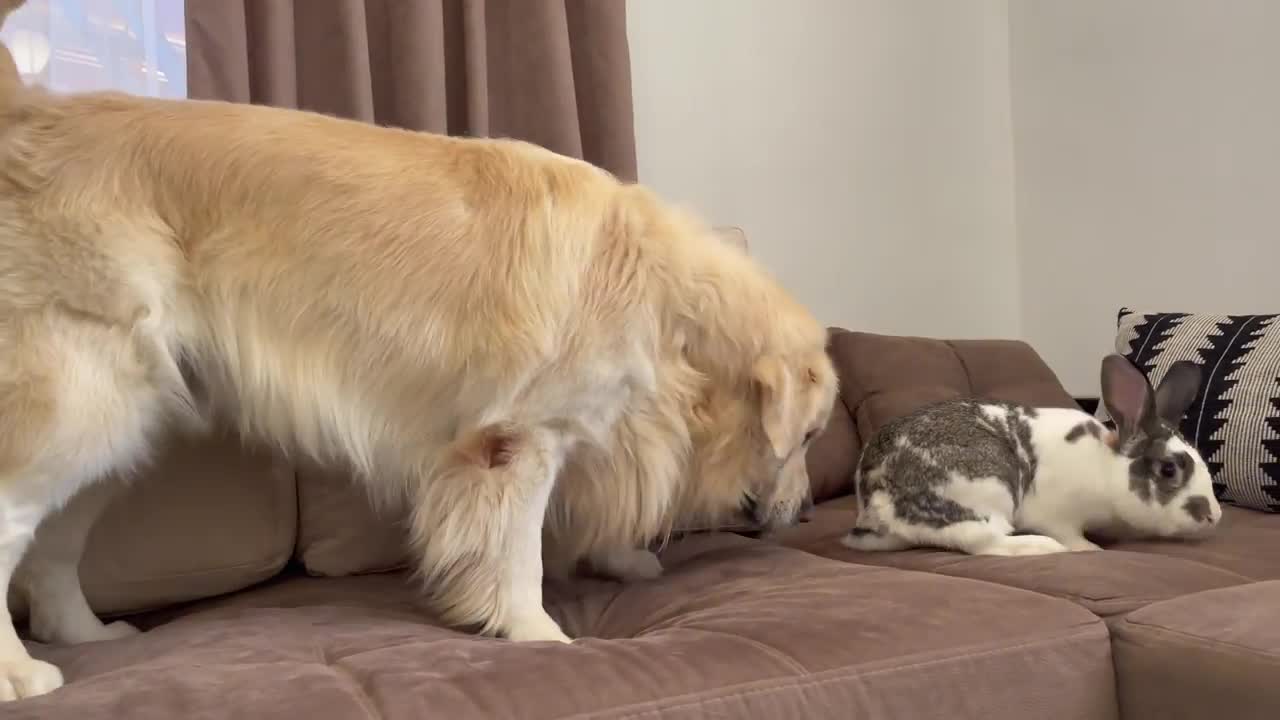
pixel 778 404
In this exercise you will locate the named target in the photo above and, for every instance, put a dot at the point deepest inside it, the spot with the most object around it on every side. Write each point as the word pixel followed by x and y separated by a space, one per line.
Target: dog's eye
pixel 808 437
pixel 1168 469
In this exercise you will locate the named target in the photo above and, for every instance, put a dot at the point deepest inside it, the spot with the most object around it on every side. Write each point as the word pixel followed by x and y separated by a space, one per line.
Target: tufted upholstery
pixel 737 629
pixel 884 377
pixel 1193 622
pixel 1179 658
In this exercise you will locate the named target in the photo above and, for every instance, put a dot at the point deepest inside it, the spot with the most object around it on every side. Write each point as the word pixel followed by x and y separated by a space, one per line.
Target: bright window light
pixel 138 46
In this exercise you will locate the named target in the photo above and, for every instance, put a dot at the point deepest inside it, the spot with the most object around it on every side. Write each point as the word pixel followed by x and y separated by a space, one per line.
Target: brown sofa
pixel 270 591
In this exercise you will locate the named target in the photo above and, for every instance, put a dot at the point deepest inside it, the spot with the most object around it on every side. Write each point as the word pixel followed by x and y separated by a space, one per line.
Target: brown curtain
pixel 553 72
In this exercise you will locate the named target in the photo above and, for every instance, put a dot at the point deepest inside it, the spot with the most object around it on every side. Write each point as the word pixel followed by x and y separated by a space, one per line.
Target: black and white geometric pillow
pixel 1235 420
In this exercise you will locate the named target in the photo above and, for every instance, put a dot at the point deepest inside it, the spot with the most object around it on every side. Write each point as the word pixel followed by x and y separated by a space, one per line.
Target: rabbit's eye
pixel 1168 469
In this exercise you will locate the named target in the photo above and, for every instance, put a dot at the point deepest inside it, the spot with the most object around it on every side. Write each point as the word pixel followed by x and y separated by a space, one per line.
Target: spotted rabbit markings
pixel 1084 428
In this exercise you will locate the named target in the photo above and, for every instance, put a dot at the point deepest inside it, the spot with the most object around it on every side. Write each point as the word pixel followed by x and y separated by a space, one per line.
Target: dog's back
pixel 304 263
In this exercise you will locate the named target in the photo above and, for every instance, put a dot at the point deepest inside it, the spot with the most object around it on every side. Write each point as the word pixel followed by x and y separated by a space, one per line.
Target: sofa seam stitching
pixel 968 376
pixel 852 480
pixel 826 677
pixel 842 674
pixel 1198 640
pixel 793 664
pixel 363 698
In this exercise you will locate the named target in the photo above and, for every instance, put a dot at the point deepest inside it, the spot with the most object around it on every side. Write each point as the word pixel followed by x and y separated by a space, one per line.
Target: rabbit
pixel 998 478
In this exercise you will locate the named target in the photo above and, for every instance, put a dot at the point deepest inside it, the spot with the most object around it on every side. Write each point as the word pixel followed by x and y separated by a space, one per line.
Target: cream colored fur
pixel 514 340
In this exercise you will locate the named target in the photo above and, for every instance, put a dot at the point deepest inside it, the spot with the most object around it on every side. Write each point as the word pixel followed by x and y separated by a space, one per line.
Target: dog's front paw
pixel 535 628
pixel 118 630
pixel 631 565
pixel 27 677
pixel 64 631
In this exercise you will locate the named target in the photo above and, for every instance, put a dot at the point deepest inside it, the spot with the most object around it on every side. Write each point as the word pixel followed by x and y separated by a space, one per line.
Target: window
pixel 138 46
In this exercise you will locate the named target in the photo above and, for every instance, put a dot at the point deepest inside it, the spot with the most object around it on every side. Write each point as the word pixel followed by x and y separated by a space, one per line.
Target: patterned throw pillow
pixel 1235 420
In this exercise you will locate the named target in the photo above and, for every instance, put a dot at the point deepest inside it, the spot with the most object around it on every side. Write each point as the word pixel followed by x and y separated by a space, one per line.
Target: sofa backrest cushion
pixel 340 531
pixel 834 453
pixel 884 377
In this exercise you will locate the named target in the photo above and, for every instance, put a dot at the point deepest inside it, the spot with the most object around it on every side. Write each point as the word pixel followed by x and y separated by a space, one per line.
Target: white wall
pixel 870 149
pixel 1147 144
pixel 864 145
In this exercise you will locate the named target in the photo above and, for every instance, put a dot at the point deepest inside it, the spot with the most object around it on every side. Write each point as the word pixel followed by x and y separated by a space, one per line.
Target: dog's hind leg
pixel 50 573
pixel 627 564
pixel 478 526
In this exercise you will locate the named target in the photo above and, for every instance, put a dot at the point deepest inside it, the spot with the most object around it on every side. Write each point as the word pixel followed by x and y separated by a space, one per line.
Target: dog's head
pixel 766 383
pixel 750 441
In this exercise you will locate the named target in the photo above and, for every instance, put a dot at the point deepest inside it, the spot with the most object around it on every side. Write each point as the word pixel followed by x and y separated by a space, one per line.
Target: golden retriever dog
pixel 524 347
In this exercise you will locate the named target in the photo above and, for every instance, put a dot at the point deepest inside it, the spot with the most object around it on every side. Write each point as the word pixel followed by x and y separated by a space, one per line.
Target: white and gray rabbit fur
pixel 968 474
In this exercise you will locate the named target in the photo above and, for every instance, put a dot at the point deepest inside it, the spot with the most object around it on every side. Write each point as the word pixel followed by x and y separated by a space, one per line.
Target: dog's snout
pixel 806 509
pixel 776 515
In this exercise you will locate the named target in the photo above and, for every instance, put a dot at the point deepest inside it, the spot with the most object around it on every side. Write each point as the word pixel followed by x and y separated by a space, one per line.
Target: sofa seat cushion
pixel 736 628
pixel 1247 542
pixel 1110 583
pixel 1212 654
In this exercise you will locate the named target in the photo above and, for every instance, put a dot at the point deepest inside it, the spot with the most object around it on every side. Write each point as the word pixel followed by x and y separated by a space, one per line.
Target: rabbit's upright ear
pixel 1177 391
pixel 1127 395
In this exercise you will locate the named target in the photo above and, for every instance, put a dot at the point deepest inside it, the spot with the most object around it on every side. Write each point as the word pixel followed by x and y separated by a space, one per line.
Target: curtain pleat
pixel 553 72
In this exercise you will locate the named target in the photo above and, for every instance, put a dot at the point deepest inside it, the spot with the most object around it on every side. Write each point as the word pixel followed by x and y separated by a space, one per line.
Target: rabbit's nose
pixel 1200 510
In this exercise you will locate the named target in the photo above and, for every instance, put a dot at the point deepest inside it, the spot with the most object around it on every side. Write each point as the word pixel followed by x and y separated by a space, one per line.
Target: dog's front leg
pixel 21 676
pixel 477 524
pixel 50 572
